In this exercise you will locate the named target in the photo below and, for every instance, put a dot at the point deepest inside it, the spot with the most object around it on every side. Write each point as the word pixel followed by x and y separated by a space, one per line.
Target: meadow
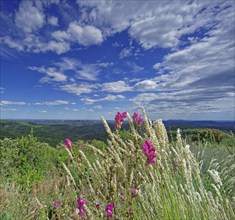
pixel 141 173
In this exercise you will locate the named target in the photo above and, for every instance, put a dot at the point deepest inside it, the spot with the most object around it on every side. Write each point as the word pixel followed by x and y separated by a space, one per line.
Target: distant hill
pixel 54 131
pixel 221 125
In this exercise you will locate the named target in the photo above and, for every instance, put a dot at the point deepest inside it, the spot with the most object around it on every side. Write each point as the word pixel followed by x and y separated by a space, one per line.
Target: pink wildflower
pixel 133 192
pixel 147 147
pixel 137 119
pixel 119 119
pixel 109 209
pixel 151 158
pixel 57 204
pixel 149 151
pixel 68 143
pixel 81 207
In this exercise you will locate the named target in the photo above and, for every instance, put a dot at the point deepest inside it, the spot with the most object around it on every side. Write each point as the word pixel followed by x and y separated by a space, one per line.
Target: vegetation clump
pixel 139 175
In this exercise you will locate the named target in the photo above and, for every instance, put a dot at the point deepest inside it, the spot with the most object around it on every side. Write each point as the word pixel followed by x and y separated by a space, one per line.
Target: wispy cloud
pixel 106 98
pixel 52 75
pixel 56 102
pixel 12 103
pixel 78 89
pixel 126 52
pixel 116 87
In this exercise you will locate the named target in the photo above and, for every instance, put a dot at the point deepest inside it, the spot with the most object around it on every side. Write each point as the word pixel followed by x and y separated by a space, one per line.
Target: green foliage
pixel 25 160
pixel 211 135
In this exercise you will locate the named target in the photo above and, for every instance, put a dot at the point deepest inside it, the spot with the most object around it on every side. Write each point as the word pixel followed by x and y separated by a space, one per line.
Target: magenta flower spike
pixel 151 159
pixel 81 207
pixel 68 143
pixel 137 119
pixel 149 151
pixel 109 209
pixel 147 147
pixel 119 119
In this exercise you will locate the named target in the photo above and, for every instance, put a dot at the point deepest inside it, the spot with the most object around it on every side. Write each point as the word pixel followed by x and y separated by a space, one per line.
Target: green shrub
pixel 26 160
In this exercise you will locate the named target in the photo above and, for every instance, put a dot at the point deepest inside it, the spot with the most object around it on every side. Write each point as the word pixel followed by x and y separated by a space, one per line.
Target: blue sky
pixel 82 59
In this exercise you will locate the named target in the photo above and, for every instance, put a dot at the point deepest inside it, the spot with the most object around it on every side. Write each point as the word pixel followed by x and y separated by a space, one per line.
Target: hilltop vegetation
pixel 52 132
pixel 137 173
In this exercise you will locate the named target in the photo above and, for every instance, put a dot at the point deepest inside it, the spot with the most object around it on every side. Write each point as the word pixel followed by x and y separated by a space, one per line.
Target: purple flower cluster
pixel 137 119
pixel 68 143
pixel 149 151
pixel 81 207
pixel 119 119
pixel 109 209
pixel 57 204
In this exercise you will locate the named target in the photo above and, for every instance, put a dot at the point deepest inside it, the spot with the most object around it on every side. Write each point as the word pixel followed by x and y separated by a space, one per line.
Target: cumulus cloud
pixel 151 23
pixel 84 35
pixel 29 17
pixel 52 20
pixel 12 43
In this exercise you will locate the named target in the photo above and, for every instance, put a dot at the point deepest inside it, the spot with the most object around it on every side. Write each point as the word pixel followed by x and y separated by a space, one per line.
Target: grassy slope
pixel 157 201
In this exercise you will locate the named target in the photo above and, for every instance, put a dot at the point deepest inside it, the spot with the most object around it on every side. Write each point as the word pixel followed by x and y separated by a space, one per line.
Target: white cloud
pixel 126 52
pixel 11 103
pixel 52 103
pixel 53 21
pixel 107 98
pixel 83 35
pixel 86 36
pixel 116 87
pixel 152 23
pixel 12 43
pixel 55 46
pixel 29 17
pixel 85 71
pixel 78 89
pixel 52 75
pixel 145 85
